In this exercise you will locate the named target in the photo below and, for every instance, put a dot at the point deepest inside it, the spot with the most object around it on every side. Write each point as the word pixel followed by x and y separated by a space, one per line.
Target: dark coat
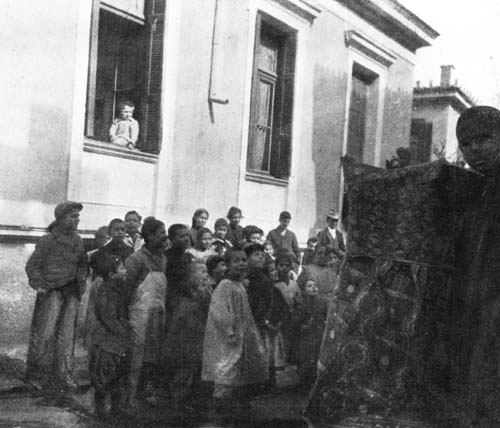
pixel 112 330
pixel 288 241
pixel 325 238
pixel 58 260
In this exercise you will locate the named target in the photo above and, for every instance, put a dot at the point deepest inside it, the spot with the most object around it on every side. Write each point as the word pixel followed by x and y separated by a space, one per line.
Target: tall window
pixel 420 141
pixel 270 134
pixel 362 105
pixel 125 64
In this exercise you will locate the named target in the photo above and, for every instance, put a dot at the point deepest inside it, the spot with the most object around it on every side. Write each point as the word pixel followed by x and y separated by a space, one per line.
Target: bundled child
pixel 217 268
pixel 146 289
pixel 269 309
pixel 125 129
pixel 293 297
pixel 183 347
pixel 114 247
pixel 110 336
pixel 203 247
pixel 312 326
pixel 233 352
pixel 133 237
pixel 220 244
pixel 307 257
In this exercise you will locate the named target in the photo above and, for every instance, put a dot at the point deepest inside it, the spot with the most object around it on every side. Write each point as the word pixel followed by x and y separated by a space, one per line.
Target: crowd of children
pixel 185 309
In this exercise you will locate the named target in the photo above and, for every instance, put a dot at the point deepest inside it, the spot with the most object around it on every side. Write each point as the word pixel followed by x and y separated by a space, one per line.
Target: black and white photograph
pixel 250 213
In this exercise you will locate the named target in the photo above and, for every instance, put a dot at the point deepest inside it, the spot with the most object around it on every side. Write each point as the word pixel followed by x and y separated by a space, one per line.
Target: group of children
pixel 188 308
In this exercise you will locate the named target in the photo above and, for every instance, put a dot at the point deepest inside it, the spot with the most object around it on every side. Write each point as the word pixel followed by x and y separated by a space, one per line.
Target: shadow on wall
pixel 329 96
pixel 38 170
pixel 397 122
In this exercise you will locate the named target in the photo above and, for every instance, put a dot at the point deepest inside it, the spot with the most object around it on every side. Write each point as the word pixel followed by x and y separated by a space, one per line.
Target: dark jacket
pixel 59 259
pixel 111 333
pixel 235 236
pixel 114 248
pixel 325 238
pixel 266 301
pixel 288 241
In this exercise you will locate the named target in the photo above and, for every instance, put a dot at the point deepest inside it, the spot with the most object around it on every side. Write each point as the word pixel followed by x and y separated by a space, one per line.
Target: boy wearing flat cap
pixel 476 310
pixel 57 271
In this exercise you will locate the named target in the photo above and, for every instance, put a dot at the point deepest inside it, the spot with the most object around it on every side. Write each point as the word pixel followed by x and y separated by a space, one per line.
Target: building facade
pixel 434 118
pixel 240 102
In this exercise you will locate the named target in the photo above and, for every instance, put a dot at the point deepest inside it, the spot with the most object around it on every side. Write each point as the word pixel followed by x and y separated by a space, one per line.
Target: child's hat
pixel 333 214
pixel 65 207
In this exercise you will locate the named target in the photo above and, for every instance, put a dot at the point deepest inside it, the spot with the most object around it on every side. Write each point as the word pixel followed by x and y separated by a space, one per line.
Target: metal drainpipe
pixel 213 96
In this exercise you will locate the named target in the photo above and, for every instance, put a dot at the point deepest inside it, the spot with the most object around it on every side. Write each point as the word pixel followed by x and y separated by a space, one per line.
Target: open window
pixel 362 108
pixel 271 110
pixel 125 64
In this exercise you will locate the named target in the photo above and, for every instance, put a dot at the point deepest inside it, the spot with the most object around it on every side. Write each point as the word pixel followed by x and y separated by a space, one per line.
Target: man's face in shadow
pixel 482 152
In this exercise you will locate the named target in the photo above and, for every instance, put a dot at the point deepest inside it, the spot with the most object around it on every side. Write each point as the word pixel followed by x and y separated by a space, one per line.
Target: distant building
pixel 240 102
pixel 435 113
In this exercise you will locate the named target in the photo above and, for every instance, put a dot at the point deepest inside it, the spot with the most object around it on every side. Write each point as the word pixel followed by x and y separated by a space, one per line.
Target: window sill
pixel 264 178
pixel 109 149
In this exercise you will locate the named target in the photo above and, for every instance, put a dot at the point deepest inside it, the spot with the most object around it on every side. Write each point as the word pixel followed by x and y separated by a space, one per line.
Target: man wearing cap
pixel 475 347
pixel 330 236
pixel 57 271
pixel 281 237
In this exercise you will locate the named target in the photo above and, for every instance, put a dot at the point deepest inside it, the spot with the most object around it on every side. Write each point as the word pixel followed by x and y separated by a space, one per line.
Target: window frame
pixel 286 36
pixel 149 82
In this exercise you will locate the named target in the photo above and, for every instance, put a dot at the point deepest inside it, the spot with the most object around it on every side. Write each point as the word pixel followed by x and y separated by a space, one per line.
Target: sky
pixel 469 40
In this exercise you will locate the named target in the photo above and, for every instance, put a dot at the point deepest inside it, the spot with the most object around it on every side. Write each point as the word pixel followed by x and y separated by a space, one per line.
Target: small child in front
pixel 233 353
pixel 312 326
pixel 183 347
pixel 293 297
pixel 110 336
pixel 125 129
pixel 220 244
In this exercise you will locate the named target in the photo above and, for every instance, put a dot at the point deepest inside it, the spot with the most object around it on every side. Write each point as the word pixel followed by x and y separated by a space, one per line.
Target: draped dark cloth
pixel 386 346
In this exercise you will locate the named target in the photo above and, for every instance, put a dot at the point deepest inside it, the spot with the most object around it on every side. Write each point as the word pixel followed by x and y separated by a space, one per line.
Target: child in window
pixel 220 243
pixel 203 246
pixel 125 129
pixel 233 353
pixel 133 237
pixel 110 335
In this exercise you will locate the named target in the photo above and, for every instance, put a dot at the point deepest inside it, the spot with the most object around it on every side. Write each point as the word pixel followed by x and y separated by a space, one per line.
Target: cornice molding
pixel 357 41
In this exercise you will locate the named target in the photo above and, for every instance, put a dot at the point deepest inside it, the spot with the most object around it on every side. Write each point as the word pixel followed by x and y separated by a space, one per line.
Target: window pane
pixel 267 56
pixel 357 119
pixel 260 150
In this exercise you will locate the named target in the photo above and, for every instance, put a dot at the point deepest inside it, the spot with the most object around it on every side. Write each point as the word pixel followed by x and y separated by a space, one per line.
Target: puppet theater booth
pixel 384 359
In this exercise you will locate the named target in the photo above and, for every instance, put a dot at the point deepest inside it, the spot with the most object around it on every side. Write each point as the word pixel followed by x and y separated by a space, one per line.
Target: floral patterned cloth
pixel 386 338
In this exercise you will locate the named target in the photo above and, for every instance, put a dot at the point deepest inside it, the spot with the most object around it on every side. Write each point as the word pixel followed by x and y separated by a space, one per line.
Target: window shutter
pixel 254 105
pixel 151 104
pixel 420 141
pixel 282 141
